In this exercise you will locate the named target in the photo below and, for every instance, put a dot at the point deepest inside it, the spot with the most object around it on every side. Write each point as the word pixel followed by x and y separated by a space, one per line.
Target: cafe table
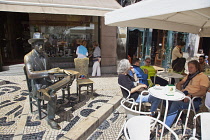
pixel 161 92
pixel 169 75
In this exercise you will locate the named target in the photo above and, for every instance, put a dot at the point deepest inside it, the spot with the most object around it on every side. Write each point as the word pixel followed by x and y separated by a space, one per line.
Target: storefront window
pixel 63 31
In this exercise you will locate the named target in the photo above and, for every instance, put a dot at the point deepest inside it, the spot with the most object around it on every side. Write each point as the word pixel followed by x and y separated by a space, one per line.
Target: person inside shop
pixel 38 70
pixel 96 59
pixel 178 62
pixel 141 75
pixel 194 84
pixel 82 51
pixel 202 63
pixel 206 60
pixel 125 80
pixel 152 72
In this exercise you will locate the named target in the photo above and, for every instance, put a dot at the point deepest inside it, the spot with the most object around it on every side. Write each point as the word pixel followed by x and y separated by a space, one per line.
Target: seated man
pixel 141 75
pixel 202 63
pixel 152 72
pixel 126 81
pixel 195 83
pixel 38 69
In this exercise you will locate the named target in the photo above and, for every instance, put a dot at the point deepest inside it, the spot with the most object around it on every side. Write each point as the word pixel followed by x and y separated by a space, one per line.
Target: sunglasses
pixel 148 62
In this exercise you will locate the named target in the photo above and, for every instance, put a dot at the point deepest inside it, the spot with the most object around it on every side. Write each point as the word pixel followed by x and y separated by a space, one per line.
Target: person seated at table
pixel 152 72
pixel 202 63
pixel 195 83
pixel 141 75
pixel 125 80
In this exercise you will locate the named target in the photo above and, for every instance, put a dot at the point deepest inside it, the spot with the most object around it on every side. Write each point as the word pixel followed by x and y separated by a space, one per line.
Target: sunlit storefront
pixel 62 33
pixel 62 23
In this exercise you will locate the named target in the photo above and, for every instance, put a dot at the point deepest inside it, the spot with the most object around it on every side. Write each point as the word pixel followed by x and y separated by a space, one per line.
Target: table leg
pixel 164 119
pixel 169 81
pixel 154 79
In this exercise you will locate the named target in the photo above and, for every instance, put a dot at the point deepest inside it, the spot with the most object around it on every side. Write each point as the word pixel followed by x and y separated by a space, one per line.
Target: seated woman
pixel 151 73
pixel 126 80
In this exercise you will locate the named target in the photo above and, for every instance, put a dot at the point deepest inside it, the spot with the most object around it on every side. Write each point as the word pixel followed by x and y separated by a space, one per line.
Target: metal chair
pixel 207 101
pixel 139 128
pixel 181 111
pixel 81 65
pixel 37 102
pixel 134 109
pixel 204 121
pixel 205 127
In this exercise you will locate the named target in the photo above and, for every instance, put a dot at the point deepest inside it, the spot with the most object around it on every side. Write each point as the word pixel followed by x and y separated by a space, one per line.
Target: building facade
pixel 62 24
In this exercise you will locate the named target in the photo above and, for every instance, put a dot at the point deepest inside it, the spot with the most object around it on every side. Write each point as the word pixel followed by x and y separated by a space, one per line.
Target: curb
pixel 86 127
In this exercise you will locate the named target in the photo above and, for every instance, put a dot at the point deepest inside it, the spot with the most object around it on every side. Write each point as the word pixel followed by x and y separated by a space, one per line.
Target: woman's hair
pixel 148 58
pixel 196 63
pixel 123 66
pixel 95 43
pixel 84 43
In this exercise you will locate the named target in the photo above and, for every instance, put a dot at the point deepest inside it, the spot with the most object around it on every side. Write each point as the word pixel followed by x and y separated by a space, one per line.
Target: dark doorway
pixel 206 46
pixel 14 35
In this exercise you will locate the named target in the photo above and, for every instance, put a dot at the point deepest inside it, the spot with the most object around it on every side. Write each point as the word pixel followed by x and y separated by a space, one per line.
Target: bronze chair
pixel 81 65
pixel 37 102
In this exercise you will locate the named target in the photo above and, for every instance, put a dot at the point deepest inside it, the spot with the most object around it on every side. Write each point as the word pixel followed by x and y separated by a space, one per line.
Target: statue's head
pixel 37 42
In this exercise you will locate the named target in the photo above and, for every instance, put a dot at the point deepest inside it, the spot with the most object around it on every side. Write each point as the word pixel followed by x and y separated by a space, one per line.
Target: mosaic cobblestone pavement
pixel 110 128
pixel 13 95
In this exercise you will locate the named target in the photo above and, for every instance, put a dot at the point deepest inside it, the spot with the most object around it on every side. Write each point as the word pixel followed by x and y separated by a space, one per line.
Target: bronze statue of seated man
pixel 38 70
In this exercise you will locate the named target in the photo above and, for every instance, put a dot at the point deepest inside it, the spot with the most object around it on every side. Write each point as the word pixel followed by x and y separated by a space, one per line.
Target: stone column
pixel 108 46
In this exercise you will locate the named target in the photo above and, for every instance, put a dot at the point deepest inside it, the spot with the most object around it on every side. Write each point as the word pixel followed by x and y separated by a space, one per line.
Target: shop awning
pixel 70 7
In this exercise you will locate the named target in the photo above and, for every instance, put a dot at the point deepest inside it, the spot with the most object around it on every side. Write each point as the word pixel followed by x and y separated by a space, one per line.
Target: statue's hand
pixel 46 94
pixel 67 72
pixel 55 70
pixel 43 94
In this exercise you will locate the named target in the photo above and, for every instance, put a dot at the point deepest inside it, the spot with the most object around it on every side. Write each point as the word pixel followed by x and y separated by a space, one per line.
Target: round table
pixel 160 92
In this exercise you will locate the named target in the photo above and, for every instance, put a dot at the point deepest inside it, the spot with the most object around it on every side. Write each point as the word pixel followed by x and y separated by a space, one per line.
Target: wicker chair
pixel 81 65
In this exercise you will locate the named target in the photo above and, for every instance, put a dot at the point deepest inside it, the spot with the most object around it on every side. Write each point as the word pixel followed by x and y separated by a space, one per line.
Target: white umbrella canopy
pixel 192 16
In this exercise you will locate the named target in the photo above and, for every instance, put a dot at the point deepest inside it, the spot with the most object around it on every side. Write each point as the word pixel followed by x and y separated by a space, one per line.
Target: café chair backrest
pixel 81 65
pixel 204 123
pixel 139 128
pixel 207 101
pixel 37 102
